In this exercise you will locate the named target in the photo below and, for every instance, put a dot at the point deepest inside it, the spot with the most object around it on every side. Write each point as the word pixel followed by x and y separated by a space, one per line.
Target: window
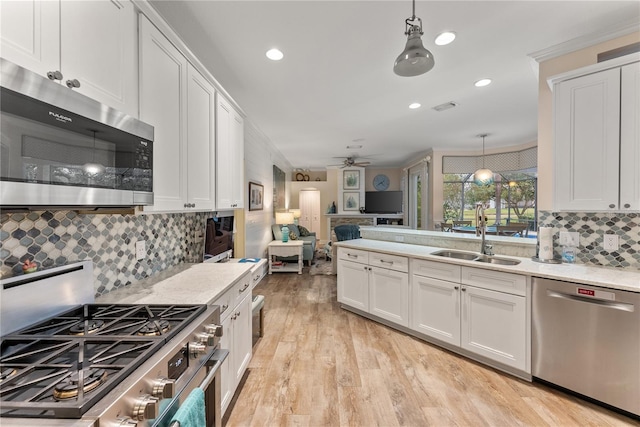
pixel 512 197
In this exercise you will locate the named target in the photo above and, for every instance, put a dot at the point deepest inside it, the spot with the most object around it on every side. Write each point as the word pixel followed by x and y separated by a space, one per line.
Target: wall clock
pixel 381 182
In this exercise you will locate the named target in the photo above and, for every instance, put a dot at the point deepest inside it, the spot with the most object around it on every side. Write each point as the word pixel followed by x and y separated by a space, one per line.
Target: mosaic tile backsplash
pixel 592 228
pixel 53 238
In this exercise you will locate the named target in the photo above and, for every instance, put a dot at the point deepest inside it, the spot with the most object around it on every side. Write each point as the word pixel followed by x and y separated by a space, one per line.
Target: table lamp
pixel 284 218
pixel 296 215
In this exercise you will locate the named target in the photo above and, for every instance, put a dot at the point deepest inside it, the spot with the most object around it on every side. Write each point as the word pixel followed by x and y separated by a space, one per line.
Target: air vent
pixel 445 106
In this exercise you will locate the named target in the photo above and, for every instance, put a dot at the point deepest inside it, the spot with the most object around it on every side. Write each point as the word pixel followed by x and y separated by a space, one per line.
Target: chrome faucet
pixel 485 249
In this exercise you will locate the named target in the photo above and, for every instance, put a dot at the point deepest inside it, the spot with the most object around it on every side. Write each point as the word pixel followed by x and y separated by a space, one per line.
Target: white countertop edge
pixel 578 273
pixel 196 284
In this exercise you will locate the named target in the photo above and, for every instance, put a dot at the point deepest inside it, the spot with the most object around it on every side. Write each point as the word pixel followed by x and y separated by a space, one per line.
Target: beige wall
pixel 395 178
pixel 547 69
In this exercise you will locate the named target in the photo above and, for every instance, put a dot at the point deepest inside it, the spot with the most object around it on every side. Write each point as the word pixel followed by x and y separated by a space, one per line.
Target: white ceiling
pixel 336 83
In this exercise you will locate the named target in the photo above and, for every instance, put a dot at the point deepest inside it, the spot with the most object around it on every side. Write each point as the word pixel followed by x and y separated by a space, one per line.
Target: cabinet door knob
pixel 612 206
pixel 464 289
pixel 627 205
pixel 73 83
pixel 456 287
pixel 54 75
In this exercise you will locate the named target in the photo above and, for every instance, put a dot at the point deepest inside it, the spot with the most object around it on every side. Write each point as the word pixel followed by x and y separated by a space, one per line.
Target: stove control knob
pixel 214 329
pixel 206 339
pixel 197 349
pixel 145 408
pixel 164 388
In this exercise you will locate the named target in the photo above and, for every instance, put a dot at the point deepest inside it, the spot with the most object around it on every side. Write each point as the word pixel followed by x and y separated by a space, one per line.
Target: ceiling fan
pixel 350 161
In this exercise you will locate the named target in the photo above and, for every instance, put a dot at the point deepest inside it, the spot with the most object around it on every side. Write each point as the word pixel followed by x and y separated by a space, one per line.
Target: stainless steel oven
pixel 61 148
pixel 65 361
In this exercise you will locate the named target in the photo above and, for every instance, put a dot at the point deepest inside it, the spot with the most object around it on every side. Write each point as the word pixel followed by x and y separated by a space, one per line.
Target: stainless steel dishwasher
pixel 587 339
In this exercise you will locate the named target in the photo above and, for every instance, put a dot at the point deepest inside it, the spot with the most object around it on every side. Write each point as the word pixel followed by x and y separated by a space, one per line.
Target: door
pixel 630 138
pixel 310 210
pixel 436 308
pixel 163 83
pixel 200 141
pixel 229 156
pixel 353 284
pixel 587 142
pixel 493 325
pixel 242 335
pixel 389 295
pixel 227 376
pixel 30 31
pixel 98 48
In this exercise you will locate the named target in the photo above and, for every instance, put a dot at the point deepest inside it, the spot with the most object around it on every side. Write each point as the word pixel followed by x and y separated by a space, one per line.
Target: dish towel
pixel 249 260
pixel 191 412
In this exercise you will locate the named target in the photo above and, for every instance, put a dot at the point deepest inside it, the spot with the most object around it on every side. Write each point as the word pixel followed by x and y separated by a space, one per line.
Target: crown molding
pixel 623 29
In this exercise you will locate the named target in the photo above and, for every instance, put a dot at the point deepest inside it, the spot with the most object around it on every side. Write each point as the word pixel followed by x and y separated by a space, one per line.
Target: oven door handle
pixel 214 363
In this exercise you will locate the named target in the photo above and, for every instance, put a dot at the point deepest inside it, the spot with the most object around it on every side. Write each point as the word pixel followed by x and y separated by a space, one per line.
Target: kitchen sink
pixel 467 256
pixel 457 255
pixel 496 260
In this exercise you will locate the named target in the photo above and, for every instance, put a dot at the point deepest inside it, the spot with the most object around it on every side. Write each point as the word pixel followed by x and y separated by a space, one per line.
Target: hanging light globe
pixel 483 177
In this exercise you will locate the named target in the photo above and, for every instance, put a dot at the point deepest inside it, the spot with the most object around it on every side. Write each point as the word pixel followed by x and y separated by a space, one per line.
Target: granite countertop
pixel 184 284
pixel 579 273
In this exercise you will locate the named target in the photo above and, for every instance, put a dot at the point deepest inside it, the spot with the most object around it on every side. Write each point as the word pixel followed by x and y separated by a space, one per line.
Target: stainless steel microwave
pixel 61 148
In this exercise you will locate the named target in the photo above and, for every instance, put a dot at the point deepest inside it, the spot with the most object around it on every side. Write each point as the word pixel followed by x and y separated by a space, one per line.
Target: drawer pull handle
pixel 352 256
pixel 386 262
pixel 224 308
pixel 244 288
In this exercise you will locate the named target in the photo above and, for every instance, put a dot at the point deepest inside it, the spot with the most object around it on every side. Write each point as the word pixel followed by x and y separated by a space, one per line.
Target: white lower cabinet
pixel 435 305
pixel 481 311
pixel 236 336
pixel 374 283
pixel 493 325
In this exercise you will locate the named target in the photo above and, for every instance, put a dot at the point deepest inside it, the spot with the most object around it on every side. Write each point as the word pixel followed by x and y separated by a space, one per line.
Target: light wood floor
pixel 319 365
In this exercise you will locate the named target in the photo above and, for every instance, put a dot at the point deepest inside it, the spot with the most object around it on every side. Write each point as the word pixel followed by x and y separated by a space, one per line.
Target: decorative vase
pixel 285 234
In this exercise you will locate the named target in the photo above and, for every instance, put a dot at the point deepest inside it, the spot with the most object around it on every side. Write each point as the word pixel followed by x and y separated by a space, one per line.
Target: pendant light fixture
pixel 414 59
pixel 483 176
pixel 93 168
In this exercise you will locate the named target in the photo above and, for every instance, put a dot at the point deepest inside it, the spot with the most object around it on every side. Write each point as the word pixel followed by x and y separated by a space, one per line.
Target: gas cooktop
pixel 61 366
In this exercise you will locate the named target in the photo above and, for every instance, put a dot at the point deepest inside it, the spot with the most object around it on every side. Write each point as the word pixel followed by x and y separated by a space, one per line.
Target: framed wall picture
pixel 351 180
pixel 279 189
pixel 256 196
pixel 350 201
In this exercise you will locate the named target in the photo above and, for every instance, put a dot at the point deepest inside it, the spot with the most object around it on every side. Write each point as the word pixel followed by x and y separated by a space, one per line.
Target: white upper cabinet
pixel 200 141
pixel 229 156
pixel 597 143
pixel 163 85
pixel 180 103
pixel 93 43
pixel 630 138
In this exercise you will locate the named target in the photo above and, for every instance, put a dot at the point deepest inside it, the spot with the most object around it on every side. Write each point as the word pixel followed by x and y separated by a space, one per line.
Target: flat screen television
pixel 218 240
pixel 383 202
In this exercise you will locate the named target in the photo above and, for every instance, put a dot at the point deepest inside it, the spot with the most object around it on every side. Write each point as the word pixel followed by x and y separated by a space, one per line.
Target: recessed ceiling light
pixel 275 54
pixel 414 105
pixel 445 38
pixel 482 82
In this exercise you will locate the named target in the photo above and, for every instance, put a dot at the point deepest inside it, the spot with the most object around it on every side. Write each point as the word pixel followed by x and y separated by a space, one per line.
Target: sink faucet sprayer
pixel 485 249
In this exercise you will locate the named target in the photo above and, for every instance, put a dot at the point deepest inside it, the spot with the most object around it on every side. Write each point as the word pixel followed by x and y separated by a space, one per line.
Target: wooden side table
pixel 281 249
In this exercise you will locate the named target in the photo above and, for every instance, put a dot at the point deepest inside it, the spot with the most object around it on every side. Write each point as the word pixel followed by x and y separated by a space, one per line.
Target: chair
pixel 309 248
pixel 339 234
pixel 461 223
pixel 513 229
pixel 446 226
